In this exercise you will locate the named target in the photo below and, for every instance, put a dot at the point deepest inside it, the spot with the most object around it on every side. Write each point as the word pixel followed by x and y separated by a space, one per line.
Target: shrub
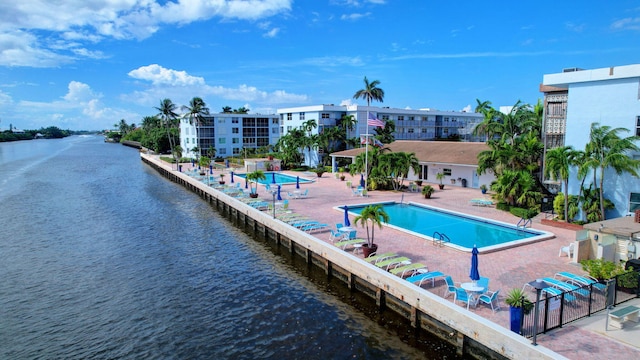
pixel 602 269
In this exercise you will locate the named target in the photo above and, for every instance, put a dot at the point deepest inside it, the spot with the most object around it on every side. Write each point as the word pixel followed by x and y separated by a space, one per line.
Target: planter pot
pixel 484 191
pixel 253 195
pixel 221 182
pixel 441 186
pixel 427 196
pixel 341 178
pixel 367 251
pixel 515 318
pixel 202 173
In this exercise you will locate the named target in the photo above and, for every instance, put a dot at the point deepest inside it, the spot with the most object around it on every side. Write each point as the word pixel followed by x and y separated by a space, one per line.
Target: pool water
pixel 464 231
pixel 277 178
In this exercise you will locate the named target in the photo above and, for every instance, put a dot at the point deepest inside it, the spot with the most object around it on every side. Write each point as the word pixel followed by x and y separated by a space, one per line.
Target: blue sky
pixel 86 64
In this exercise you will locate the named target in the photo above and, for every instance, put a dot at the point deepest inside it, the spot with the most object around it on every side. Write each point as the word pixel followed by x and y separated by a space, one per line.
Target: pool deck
pixel 506 269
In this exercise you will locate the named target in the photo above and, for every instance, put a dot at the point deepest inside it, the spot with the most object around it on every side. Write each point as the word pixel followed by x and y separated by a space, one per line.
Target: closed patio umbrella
pixel 210 169
pixel 246 183
pixel 273 178
pixel 361 180
pixel 232 177
pixel 297 182
pixel 346 216
pixel 474 274
pixel 279 197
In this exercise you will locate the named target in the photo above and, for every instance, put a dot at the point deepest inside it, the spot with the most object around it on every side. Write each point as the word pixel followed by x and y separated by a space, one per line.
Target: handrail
pixel 524 222
pixel 440 238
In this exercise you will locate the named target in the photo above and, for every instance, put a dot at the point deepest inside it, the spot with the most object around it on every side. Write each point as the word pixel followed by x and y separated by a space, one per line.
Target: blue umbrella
pixel 246 183
pixel 297 182
pixel 279 197
pixel 361 180
pixel 210 169
pixel 474 274
pixel 232 177
pixel 346 216
pixel 273 178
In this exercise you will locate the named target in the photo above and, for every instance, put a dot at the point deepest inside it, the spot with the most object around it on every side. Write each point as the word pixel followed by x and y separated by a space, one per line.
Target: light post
pixel 539 285
pixel 274 192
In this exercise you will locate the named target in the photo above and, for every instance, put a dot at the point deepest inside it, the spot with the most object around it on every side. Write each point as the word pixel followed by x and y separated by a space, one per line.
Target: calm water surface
pixel 102 258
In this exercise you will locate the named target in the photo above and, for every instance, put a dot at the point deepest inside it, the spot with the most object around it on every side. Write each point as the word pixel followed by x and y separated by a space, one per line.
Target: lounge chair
pixel 567 250
pixel 393 262
pixel 581 280
pixel 420 278
pixel 451 287
pixel 345 243
pixel 481 202
pixel 409 269
pixel 375 258
pixel 489 298
pixel 551 291
pixel 461 295
pixel 566 286
pixel 314 227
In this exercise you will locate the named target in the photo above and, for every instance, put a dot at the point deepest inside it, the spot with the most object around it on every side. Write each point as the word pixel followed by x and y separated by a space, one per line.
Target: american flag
pixel 374 121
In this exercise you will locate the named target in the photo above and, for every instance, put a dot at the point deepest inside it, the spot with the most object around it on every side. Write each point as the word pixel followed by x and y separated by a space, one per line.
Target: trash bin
pixel 464 182
pixel 633 264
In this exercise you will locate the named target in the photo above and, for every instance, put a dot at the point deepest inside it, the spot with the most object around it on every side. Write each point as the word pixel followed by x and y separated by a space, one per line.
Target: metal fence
pixel 568 306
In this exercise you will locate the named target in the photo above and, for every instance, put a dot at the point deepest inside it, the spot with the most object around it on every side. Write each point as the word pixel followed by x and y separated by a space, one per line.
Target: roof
pixel 623 226
pixel 446 152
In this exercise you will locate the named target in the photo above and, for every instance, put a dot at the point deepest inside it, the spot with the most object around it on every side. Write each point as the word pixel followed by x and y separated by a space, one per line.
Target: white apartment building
pixel 424 124
pixel 576 98
pixel 229 133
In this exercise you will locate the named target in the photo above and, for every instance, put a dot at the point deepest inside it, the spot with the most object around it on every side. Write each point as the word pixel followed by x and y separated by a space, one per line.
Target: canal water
pixel 102 258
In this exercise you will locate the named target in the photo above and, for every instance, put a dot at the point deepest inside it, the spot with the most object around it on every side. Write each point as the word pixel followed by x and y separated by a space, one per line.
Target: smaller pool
pixel 277 178
pixel 463 230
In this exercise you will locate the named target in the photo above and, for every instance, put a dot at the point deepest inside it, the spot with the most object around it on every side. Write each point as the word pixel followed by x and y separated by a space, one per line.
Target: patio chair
pixel 338 226
pixel 484 282
pixel 489 298
pixel 337 235
pixel 304 194
pixel 567 250
pixel 462 295
pixel 352 234
pixel 451 287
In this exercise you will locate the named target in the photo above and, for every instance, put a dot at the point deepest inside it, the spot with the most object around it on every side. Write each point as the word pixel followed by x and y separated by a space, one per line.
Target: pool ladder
pixel 523 223
pixel 440 238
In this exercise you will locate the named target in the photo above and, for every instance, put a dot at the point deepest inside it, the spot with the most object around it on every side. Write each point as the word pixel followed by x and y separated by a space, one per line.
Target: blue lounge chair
pixel 566 286
pixel 581 280
pixel 461 295
pixel 420 278
pixel 490 297
pixel 551 291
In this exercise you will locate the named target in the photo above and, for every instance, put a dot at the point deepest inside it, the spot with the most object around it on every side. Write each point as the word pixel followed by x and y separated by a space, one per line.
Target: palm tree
pixel 558 162
pixel 227 110
pixel 370 92
pixel 374 214
pixel 168 117
pixel 253 178
pixel 196 111
pixel 608 150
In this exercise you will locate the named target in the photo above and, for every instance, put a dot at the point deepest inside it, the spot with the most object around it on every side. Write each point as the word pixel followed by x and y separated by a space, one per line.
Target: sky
pixel 87 64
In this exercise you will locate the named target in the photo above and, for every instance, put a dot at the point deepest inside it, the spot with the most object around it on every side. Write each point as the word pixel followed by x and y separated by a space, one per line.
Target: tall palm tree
pixel 195 112
pixel 558 162
pixel 370 92
pixel 608 150
pixel 168 117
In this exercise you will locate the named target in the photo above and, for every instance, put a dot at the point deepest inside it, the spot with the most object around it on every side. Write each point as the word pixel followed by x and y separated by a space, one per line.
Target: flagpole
pixel 366 149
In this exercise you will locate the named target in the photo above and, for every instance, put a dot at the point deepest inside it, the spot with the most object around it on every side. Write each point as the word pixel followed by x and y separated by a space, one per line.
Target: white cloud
pixel 354 16
pixel 626 24
pixel 19 48
pixel 79 93
pixel 159 75
pixel 272 33
pixel 347 102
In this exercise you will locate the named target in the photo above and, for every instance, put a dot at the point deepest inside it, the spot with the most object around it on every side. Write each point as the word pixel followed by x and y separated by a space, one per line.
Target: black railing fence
pixel 571 305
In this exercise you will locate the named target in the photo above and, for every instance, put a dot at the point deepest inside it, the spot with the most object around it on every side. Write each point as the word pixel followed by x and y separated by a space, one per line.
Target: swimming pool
pixel 463 230
pixel 282 179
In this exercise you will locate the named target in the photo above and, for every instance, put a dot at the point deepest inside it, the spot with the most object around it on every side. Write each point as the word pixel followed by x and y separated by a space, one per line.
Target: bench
pixel 618 317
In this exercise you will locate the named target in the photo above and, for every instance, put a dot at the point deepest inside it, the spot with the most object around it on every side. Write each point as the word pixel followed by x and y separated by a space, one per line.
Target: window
pixel 301 116
pixel 275 121
pixel 423 130
pixel 187 139
pixel 221 120
pixel 634 202
pixel 385 117
pixel 289 128
pixel 275 130
pixel 446 119
pixel 411 118
pixel 222 140
pixel 234 120
pixel 410 130
pixel 289 116
pixel 235 140
pixel 325 115
pixel 235 130
pixel 236 151
pixel 637 125
pixel 222 151
pixel 446 172
pixel 400 118
pixel 425 118
pixel 445 131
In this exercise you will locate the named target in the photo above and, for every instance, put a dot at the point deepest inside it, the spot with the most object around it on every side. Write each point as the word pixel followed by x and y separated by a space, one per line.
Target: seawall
pixel 471 334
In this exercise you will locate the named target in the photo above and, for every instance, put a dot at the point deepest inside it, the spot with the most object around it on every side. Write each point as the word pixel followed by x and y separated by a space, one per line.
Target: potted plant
pixel 427 190
pixel 253 178
pixel 483 188
pixel 376 215
pixel 204 162
pixel 221 182
pixel 341 170
pixel 440 176
pixel 319 171
pixel 519 305
pixel 418 182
